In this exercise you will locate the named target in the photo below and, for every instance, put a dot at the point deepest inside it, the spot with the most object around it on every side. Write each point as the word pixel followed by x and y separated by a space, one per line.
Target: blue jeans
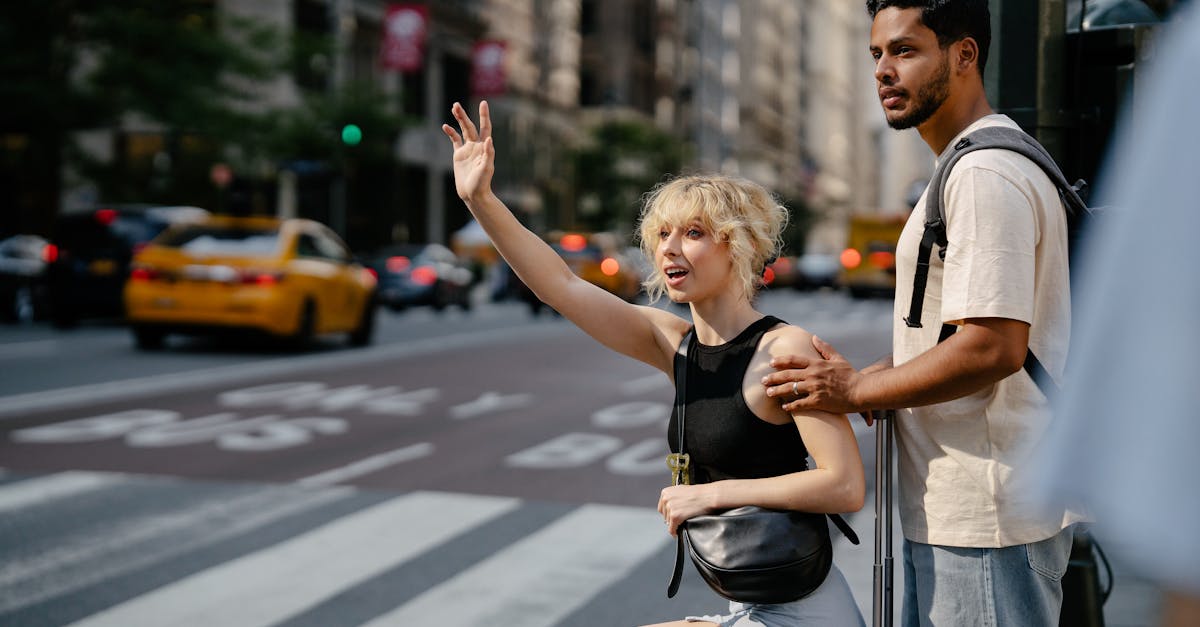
pixel 946 586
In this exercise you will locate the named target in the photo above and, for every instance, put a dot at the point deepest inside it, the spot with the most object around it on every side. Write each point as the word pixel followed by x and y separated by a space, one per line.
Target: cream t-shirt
pixel 961 462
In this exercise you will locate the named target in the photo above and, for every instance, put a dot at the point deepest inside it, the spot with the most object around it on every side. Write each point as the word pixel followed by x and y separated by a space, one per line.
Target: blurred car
pixel 816 270
pixel 422 274
pixel 596 260
pixel 290 278
pixel 90 251
pixel 780 273
pixel 869 260
pixel 23 278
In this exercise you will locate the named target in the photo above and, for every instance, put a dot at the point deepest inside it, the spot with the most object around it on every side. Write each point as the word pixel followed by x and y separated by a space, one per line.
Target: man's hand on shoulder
pixel 822 380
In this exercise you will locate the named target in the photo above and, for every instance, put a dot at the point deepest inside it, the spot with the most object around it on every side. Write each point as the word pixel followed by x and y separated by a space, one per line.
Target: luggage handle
pixel 883 574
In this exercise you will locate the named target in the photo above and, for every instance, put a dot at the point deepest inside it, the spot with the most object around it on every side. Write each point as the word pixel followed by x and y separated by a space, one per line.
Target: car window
pixel 331 248
pixel 134 230
pixel 210 240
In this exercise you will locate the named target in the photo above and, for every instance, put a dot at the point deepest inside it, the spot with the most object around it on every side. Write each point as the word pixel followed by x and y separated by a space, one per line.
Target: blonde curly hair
pixel 736 211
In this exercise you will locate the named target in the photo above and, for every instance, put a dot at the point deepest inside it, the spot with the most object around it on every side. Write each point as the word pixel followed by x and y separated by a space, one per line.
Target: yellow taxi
pixel 290 278
pixel 869 260
pixel 595 258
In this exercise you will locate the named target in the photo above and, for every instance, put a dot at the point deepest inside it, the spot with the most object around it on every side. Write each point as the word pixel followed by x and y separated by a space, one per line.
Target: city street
pixel 469 468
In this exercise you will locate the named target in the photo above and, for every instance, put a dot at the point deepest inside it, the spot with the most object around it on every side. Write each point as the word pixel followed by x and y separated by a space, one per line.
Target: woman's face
pixel 695 264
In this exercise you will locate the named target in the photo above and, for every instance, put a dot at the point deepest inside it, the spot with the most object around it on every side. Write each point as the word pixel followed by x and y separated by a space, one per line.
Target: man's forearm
pixel 970 360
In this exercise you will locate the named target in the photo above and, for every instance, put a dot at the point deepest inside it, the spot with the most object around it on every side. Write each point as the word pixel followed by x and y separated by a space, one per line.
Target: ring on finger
pixel 795 392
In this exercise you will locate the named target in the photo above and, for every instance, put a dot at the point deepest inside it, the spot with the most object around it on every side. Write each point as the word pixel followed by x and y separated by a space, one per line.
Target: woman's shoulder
pixel 787 339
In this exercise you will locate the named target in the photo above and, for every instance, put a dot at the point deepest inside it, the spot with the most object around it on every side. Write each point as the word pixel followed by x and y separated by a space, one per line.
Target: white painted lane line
pixel 543 578
pixel 268 586
pixel 61 485
pixel 117 548
pixel 369 465
pixel 21 404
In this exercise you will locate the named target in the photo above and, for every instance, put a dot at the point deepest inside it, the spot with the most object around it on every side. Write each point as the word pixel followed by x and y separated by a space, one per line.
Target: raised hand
pixel 474 155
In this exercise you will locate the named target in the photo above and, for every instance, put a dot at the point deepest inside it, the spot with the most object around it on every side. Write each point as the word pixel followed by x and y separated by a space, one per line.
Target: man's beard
pixel 927 101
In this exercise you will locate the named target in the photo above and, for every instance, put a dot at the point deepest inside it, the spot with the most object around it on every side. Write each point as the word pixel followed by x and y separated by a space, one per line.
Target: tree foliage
pixel 181 73
pixel 622 161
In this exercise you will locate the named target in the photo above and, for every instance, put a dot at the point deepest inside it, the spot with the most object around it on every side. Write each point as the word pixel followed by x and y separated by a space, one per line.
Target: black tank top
pixel 724 438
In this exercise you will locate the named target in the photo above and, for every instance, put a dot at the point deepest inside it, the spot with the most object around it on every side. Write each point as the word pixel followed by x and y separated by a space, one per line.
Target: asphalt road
pixel 473 468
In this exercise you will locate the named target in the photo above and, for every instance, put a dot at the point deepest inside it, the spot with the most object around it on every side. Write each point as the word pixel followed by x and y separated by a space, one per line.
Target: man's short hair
pixel 950 20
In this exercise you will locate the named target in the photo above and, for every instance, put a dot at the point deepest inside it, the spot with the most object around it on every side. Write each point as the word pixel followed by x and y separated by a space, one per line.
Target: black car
pixel 421 274
pixel 89 254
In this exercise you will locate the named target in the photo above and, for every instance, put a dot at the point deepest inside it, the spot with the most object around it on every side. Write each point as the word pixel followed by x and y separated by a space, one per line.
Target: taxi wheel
pixel 148 339
pixel 361 335
pixel 307 326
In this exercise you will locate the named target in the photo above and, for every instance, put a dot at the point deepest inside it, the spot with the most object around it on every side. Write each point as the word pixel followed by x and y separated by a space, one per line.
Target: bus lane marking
pixel 369 465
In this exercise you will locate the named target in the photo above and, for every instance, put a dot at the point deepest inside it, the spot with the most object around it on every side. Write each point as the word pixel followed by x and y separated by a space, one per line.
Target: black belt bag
pixel 750 554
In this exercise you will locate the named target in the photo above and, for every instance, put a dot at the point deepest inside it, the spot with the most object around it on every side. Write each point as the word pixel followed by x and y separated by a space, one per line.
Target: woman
pixel 709 239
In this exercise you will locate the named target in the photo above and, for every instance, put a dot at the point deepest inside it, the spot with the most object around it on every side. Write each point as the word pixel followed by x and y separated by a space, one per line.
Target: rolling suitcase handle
pixel 881 603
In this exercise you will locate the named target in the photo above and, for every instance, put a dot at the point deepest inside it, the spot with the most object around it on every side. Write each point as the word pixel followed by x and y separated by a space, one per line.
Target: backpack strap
pixel 1007 138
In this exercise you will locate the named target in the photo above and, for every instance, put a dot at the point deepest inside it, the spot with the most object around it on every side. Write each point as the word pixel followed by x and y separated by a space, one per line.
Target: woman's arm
pixel 644 333
pixel 836 483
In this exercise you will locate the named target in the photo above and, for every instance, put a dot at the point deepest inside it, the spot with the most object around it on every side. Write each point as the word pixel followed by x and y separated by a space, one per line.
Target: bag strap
pixel 1006 138
pixel 681 368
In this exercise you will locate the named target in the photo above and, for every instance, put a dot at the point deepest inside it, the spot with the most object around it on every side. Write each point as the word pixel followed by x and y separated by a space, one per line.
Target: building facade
pixel 779 91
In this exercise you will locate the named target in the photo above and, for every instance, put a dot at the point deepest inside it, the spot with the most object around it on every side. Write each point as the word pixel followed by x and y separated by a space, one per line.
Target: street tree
pixel 621 161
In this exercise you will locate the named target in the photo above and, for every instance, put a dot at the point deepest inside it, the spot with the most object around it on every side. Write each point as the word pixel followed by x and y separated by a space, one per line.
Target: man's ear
pixel 966 54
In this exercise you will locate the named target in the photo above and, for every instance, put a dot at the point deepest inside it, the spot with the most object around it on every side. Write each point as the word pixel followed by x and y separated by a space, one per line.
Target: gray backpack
pixel 1007 138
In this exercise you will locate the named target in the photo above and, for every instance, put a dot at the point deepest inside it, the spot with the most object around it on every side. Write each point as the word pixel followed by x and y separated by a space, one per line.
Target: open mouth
pixel 675 275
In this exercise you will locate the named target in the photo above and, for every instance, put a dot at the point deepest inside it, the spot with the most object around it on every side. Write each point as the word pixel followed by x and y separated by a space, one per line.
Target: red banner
pixel 487 68
pixel 404 29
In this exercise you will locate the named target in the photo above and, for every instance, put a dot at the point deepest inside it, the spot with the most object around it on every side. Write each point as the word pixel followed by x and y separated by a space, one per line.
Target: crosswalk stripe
pixel 543 578
pixel 132 544
pixel 267 586
pixel 61 485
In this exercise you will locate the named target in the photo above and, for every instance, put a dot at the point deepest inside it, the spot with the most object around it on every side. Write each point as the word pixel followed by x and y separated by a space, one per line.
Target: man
pixel 978 549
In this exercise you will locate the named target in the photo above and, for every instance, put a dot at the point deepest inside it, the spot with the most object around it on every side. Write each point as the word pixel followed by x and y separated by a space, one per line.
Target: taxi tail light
pixel 143 273
pixel 261 278
pixel 882 260
pixel 610 266
pixel 851 258
pixel 573 242
pixel 371 274
pixel 50 253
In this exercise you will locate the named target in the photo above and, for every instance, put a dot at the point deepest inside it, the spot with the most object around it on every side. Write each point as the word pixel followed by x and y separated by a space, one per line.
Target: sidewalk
pixel 1134 602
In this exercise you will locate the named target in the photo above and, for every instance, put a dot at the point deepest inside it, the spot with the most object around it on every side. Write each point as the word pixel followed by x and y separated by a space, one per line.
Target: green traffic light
pixel 351 134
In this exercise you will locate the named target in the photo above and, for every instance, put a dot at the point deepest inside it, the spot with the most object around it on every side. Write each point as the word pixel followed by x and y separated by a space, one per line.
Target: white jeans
pixel 832 604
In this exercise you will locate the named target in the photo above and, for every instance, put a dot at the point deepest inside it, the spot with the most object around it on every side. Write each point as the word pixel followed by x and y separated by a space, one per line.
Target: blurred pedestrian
pixel 1130 406
pixel 709 238
pixel 978 547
